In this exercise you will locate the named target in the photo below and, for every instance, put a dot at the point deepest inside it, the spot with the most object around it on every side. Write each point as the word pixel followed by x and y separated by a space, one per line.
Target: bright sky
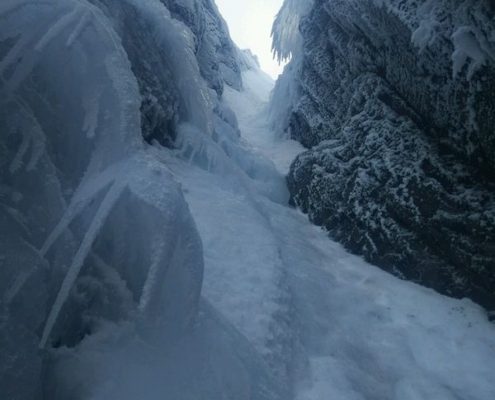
pixel 250 25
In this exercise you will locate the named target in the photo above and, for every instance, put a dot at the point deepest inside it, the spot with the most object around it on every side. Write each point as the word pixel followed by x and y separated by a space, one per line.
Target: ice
pixel 81 25
pixel 104 238
pixel 99 219
pixel 470 48
pixel 91 110
pixel 287 45
pixel 16 163
pixel 212 361
pixel 58 28
pixel 32 138
pixel 286 37
pixel 91 215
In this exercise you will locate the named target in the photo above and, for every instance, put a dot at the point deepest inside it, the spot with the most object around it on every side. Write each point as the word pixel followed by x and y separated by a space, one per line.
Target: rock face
pixel 396 102
pixel 161 93
pixel 216 53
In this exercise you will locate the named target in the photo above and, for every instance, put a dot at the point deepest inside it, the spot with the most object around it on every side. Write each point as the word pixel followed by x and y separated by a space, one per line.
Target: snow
pixel 470 48
pixel 243 267
pixel 425 34
pixel 364 333
pixel 251 107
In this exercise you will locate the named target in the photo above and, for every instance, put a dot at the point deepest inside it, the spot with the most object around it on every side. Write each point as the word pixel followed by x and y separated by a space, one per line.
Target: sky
pixel 250 25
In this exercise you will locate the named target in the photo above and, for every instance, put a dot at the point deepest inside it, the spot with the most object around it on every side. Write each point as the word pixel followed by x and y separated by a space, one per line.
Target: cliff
pixel 395 101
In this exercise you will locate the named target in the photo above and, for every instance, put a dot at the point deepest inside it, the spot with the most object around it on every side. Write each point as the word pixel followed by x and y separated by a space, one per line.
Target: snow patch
pixel 471 49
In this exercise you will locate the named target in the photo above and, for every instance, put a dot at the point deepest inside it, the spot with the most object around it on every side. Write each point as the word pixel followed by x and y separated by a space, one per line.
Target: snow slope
pixel 330 325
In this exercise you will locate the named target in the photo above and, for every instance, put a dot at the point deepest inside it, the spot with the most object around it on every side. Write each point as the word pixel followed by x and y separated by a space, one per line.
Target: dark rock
pixel 401 163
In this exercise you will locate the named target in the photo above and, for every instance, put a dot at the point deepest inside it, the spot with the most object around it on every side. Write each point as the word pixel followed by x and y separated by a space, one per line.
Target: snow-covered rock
pixel 395 100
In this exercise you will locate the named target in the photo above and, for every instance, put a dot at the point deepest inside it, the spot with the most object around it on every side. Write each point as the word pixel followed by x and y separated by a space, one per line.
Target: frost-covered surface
pixel 124 172
pixel 99 254
pixel 396 101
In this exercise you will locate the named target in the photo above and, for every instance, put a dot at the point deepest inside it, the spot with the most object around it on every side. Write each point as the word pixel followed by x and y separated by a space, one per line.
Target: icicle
pixel 75 207
pixel 86 192
pixel 285 31
pixel 38 144
pixel 57 28
pixel 15 287
pixel 81 25
pixel 91 109
pixel 28 57
pixel 14 54
pixel 157 250
pixel 16 163
pixel 99 219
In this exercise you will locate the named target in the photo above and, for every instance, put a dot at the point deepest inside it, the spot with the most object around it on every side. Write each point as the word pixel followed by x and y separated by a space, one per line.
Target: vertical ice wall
pixel 95 232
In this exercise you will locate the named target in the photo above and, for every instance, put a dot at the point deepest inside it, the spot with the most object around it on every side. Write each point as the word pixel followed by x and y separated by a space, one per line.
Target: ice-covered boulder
pixel 396 102
pixel 95 234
